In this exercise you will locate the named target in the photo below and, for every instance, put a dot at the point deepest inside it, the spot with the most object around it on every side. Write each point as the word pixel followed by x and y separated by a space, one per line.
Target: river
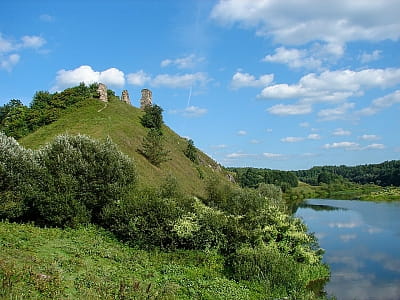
pixel 362 246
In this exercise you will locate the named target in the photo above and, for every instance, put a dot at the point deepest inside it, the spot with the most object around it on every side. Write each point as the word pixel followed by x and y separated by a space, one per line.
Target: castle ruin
pixel 102 91
pixel 125 97
pixel 146 99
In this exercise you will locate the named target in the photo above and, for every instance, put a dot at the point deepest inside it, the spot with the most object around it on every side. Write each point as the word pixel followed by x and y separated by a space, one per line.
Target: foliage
pixel 252 177
pixel 383 174
pixel 152 117
pixel 18 120
pixel 66 183
pixel 191 151
pixel 88 263
pixel 152 147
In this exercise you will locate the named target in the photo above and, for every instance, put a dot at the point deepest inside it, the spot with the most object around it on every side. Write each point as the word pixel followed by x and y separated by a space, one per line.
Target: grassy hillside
pixel 87 263
pixel 122 123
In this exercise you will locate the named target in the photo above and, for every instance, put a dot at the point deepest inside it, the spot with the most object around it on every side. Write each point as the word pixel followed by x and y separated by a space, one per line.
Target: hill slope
pixel 121 122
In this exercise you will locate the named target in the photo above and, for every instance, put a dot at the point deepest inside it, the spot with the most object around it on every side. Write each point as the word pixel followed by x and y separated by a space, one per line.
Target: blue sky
pixel 281 84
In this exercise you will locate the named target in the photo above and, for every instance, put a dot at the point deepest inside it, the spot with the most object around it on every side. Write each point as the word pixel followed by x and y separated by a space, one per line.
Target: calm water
pixel 362 244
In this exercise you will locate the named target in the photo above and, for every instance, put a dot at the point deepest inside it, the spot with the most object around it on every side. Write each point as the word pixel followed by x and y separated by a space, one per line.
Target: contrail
pixel 190 96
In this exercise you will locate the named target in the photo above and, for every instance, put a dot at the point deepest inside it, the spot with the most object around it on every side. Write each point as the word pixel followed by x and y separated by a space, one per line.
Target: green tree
pixel 191 151
pixel 153 117
pixel 153 148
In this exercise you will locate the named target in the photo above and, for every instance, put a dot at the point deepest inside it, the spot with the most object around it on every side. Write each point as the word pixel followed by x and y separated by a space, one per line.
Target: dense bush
pixel 152 118
pixel 66 183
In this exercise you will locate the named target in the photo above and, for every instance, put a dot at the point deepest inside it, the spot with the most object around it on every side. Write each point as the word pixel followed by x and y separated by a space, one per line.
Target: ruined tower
pixel 102 91
pixel 125 97
pixel 146 99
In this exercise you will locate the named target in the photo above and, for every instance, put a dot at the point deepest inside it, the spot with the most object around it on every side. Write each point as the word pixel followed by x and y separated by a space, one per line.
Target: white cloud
pixel 194 111
pixel 32 41
pixel 380 104
pixel 241 132
pixel 139 78
pixel 254 141
pixel 180 81
pixel 221 146
pixel 10 49
pixel 9 61
pixel 304 124
pixel 238 155
pixel 374 146
pixel 46 18
pixel 292 139
pixel 336 113
pixel 112 77
pixel 273 155
pixel 369 137
pixel 345 145
pixel 314 136
pixel 333 86
pixel 68 78
pixel 190 111
pixel 186 62
pixel 294 58
pixel 285 110
pixel 341 132
pixel 240 80
pixel 368 57
pixel 301 22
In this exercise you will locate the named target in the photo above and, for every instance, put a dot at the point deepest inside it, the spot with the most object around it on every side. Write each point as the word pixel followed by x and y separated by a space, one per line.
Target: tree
pixel 191 151
pixel 152 147
pixel 153 117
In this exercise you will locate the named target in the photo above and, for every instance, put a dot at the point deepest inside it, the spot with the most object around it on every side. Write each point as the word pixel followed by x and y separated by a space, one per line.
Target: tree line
pixel 383 174
pixel 18 120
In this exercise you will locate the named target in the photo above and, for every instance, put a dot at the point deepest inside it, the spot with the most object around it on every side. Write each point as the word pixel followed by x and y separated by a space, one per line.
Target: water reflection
pixel 362 243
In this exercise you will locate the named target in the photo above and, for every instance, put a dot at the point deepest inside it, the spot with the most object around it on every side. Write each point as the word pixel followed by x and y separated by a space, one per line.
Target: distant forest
pixel 383 174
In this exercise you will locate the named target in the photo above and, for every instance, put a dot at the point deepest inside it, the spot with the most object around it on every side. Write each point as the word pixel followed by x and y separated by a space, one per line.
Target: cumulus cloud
pixel 369 137
pixel 68 78
pixel 46 18
pixel 10 49
pixel 301 22
pixel 368 57
pixel 333 86
pixel 241 132
pixel 32 41
pixel 187 62
pixel 9 61
pixel 345 145
pixel 374 146
pixel 190 111
pixel 290 109
pixel 138 78
pixel 238 155
pixel 273 155
pixel 294 58
pixel 240 80
pixel 341 132
pixel 314 136
pixel 180 81
pixel 292 139
pixel 336 113
pixel 380 104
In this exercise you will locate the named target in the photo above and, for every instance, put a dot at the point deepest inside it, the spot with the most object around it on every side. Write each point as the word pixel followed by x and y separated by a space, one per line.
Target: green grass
pixel 122 123
pixel 88 263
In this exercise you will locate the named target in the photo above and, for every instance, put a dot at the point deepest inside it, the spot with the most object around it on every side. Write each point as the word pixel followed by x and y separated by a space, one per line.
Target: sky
pixel 279 84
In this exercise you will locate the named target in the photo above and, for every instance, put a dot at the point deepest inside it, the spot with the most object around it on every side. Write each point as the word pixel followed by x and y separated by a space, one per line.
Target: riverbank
pixel 347 190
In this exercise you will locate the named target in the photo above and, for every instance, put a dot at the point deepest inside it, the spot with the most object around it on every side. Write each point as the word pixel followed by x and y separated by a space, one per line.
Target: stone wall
pixel 146 99
pixel 102 91
pixel 125 97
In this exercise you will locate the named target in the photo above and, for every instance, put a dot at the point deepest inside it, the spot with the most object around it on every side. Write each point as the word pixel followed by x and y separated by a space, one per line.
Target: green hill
pixel 121 122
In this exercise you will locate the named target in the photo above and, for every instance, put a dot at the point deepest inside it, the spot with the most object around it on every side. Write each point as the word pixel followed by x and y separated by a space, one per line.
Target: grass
pixel 122 123
pixel 88 263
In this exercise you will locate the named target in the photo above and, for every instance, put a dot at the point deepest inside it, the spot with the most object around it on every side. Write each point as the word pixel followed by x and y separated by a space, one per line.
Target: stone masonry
pixel 102 91
pixel 146 99
pixel 125 97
